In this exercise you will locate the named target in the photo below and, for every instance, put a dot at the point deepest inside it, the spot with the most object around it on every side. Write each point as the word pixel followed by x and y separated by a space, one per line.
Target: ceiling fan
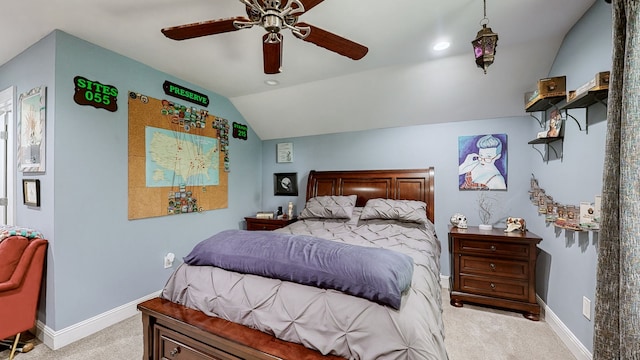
pixel 273 16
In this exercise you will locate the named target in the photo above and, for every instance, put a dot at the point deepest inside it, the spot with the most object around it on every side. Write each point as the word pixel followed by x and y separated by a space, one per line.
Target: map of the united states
pixel 175 158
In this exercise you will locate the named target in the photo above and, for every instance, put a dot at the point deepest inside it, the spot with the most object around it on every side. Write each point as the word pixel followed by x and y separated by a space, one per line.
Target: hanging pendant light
pixel 485 43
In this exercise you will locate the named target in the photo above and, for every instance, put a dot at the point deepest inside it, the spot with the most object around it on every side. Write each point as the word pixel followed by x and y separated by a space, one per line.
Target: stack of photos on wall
pixel 585 216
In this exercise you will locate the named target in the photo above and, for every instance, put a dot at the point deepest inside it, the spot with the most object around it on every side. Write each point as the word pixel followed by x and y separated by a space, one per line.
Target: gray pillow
pixel 329 207
pixel 401 210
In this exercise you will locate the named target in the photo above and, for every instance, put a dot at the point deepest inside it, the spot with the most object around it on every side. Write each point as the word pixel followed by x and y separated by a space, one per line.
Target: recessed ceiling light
pixel 441 46
pixel 272 82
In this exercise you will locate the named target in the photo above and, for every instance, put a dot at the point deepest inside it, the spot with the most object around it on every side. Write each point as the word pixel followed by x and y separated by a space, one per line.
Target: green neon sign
pixel 93 93
pixel 185 94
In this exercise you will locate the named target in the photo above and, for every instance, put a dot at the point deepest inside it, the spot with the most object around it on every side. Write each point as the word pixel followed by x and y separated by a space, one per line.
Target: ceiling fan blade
pixel 211 27
pixel 332 42
pixel 272 52
pixel 310 4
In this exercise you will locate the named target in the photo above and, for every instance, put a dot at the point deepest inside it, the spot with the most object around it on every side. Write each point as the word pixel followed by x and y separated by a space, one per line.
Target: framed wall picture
pixel 31 130
pixel 284 153
pixel 285 184
pixel 482 162
pixel 31 192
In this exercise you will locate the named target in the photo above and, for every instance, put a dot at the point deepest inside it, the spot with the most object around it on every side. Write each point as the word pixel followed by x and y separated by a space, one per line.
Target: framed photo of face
pixel 285 184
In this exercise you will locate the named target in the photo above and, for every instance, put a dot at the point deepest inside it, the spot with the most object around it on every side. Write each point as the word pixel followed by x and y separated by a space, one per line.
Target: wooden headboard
pixel 408 184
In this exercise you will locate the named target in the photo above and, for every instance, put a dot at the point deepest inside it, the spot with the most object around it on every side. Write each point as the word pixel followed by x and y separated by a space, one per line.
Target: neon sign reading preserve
pixel 89 92
pixel 185 94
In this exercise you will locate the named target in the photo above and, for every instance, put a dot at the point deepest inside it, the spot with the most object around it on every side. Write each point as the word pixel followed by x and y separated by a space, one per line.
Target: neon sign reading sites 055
pixel 89 92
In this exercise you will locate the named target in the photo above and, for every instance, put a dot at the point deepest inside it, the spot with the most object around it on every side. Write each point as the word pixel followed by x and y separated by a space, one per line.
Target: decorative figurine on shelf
pixel 459 220
pixel 515 223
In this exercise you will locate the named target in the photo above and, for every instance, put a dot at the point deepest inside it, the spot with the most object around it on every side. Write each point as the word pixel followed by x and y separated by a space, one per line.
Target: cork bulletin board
pixel 178 158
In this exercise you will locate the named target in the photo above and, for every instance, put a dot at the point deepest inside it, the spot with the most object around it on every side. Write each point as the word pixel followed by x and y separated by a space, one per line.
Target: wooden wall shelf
pixel 545 140
pixel 545 104
pixel 587 99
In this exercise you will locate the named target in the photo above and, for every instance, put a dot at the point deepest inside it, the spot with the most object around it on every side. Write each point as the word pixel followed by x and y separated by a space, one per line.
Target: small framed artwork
pixel 555 124
pixel 31 192
pixel 285 184
pixel 31 131
pixel 284 153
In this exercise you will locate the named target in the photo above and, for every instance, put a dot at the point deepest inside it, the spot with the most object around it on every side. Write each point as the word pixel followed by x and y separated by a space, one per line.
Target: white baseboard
pixel 571 341
pixel 57 339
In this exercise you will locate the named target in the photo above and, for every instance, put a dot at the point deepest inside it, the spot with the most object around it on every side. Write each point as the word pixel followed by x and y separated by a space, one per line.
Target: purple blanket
pixel 376 274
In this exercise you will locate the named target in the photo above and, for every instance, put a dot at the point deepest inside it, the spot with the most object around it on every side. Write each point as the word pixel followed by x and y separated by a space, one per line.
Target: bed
pixel 207 312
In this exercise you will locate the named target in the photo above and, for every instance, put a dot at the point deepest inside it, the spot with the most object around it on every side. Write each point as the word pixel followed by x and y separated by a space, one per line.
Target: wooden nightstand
pixel 267 224
pixel 495 268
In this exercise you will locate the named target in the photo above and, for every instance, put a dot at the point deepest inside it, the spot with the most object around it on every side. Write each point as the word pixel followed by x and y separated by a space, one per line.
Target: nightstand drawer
pixel 494 267
pixel 267 224
pixel 263 225
pixel 497 248
pixel 491 286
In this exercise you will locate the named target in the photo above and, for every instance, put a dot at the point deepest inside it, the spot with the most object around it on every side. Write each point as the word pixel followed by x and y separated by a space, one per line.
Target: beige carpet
pixel 472 333
pixel 481 333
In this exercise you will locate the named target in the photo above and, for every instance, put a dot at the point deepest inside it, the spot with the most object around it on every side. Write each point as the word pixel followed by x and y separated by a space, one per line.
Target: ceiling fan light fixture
pixel 273 16
pixel 272 22
pixel 485 44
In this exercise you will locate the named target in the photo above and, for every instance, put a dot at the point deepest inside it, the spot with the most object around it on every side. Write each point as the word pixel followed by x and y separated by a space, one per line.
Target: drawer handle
pixel 492 266
pixel 493 248
pixel 493 286
pixel 175 351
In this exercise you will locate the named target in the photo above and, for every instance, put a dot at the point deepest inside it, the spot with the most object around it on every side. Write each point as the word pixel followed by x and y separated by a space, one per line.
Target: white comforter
pixel 329 321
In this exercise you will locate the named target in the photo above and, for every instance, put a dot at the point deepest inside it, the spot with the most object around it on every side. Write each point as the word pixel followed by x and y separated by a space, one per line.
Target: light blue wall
pixel 404 148
pixel 98 259
pixel 33 68
pixel 569 258
pixel 567 263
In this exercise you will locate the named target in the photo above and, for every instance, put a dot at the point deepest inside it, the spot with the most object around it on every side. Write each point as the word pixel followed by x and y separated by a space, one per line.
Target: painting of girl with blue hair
pixel 482 162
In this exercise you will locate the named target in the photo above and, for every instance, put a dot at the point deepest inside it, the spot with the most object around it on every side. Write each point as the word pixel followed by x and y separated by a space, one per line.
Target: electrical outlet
pixel 168 260
pixel 586 307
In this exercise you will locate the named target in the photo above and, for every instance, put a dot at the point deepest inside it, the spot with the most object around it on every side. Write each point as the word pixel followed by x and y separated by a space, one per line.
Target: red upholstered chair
pixel 21 268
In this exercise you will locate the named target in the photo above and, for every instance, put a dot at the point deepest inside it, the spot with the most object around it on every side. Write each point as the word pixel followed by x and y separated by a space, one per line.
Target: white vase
pixel 485 227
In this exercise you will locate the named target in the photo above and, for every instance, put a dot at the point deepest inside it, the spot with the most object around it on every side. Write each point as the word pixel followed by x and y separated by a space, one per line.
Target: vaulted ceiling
pixel 400 82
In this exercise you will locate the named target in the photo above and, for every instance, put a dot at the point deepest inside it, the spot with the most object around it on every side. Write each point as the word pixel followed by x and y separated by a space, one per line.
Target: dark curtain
pixel 617 310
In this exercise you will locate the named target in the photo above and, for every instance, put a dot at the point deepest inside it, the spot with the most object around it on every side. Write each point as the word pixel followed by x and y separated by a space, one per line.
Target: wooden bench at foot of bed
pixel 173 331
